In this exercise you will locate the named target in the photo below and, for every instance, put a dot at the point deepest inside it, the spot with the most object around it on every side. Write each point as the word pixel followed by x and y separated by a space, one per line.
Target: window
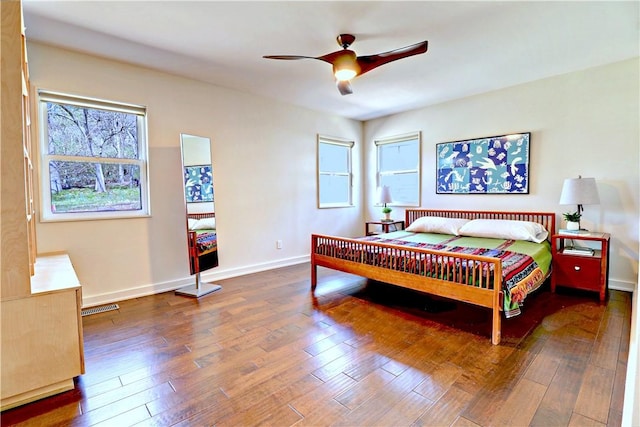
pixel 399 168
pixel 93 158
pixel 334 172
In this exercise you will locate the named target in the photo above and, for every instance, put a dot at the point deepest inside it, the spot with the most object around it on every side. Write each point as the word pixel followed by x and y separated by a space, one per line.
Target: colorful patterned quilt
pixel 206 241
pixel 525 265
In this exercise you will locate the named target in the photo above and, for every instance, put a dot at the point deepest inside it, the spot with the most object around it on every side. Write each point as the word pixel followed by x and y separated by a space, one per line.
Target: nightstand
pixel 575 266
pixel 385 226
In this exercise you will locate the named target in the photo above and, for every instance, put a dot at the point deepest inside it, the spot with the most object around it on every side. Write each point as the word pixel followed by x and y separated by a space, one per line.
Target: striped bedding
pixel 525 265
pixel 206 241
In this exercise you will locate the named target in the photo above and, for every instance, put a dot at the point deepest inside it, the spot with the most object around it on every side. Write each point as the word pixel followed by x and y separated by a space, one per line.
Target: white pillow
pixel 505 229
pixel 204 224
pixel 191 222
pixel 437 224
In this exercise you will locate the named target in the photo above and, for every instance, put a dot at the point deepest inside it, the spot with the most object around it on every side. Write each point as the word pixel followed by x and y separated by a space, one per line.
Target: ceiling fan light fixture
pixel 344 74
pixel 345 65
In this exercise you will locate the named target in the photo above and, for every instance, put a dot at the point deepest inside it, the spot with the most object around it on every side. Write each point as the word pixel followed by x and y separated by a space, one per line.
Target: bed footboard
pixel 462 277
pixel 200 260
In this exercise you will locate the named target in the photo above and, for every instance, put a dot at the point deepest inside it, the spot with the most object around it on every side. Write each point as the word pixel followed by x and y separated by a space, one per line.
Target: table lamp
pixel 579 191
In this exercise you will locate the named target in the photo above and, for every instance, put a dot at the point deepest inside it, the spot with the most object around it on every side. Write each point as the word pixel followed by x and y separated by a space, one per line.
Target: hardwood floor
pixel 263 351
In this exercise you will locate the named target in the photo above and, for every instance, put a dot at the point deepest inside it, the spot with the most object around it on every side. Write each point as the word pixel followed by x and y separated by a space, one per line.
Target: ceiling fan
pixel 346 65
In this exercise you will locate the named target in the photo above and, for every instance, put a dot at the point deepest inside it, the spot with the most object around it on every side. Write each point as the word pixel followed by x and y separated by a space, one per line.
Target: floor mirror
pixel 202 235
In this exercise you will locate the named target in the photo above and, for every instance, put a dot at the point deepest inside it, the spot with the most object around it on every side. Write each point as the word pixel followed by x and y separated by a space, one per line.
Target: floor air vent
pixel 101 309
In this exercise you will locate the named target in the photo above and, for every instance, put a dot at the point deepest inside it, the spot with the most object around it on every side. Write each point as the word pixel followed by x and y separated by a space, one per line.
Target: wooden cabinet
pixel 581 261
pixel 40 296
pixel 42 345
pixel 17 220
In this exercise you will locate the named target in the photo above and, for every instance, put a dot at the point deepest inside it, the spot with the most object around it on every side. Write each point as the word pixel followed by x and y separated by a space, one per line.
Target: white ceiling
pixel 474 46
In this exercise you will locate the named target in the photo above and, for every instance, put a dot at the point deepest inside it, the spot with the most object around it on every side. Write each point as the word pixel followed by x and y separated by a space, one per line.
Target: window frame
pixel 380 181
pixel 46 213
pixel 349 173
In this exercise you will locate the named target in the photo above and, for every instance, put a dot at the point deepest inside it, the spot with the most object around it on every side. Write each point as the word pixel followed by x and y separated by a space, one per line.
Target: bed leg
pixel 314 276
pixel 496 326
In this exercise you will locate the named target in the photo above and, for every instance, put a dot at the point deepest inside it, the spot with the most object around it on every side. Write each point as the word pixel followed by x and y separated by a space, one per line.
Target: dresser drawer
pixel 578 272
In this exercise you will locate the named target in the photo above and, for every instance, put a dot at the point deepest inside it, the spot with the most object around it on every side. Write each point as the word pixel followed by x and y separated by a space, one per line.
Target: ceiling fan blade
pixel 288 57
pixel 344 86
pixel 369 62
pixel 339 55
pixel 329 57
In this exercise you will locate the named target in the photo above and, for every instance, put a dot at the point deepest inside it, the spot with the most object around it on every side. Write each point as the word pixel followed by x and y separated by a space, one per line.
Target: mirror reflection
pixel 202 238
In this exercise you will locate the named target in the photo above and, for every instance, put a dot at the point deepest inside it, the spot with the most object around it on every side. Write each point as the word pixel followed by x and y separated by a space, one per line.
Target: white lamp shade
pixel 579 191
pixel 384 195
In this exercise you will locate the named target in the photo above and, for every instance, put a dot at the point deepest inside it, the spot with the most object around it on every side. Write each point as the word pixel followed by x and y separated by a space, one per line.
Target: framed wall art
pixel 198 183
pixel 493 165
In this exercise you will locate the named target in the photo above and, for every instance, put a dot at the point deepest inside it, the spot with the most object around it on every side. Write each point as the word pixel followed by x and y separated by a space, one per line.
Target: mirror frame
pixel 198 195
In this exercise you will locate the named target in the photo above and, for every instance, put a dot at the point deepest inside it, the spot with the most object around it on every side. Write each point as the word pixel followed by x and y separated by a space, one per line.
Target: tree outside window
pixel 93 158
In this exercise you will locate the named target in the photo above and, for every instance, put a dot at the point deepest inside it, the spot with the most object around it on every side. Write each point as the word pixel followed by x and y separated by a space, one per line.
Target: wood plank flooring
pixel 264 351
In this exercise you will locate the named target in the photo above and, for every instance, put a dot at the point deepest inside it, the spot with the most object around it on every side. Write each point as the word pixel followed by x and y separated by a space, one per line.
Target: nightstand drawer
pixel 578 271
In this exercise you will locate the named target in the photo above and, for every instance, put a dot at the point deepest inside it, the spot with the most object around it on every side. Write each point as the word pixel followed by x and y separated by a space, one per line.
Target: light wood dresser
pixel 40 295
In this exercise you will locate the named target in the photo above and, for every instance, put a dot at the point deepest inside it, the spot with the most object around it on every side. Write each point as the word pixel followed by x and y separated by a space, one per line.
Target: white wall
pixel 264 157
pixel 583 123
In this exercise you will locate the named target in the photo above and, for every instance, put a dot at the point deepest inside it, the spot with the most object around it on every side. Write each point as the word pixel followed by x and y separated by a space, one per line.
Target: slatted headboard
pixel 547 219
pixel 201 215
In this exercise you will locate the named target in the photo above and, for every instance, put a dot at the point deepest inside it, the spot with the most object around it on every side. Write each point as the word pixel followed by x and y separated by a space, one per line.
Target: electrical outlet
pixel 278 244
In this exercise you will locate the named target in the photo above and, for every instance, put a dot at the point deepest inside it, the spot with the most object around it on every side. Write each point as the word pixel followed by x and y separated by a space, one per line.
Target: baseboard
pixel 620 285
pixel 217 274
pixel 212 275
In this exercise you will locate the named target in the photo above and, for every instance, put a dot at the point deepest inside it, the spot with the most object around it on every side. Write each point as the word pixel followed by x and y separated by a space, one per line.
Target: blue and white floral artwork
pixel 494 165
pixel 198 183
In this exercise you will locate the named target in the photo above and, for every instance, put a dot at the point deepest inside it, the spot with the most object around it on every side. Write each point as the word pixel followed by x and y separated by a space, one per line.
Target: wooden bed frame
pixel 487 292
pixel 194 255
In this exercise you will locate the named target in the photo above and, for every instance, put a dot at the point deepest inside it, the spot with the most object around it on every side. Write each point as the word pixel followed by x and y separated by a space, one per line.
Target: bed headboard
pixel 201 215
pixel 547 219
